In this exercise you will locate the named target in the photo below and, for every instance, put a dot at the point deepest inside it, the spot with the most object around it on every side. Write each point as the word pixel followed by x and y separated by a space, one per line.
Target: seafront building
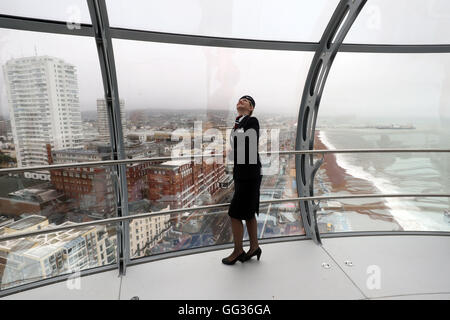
pixel 43 100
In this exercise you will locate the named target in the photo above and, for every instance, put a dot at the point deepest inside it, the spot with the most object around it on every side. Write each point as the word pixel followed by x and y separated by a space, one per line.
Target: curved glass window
pixel 51 86
pixel 292 20
pixel 385 101
pixel 71 11
pixel 50 114
pixel 402 22
pixel 180 99
pixel 49 255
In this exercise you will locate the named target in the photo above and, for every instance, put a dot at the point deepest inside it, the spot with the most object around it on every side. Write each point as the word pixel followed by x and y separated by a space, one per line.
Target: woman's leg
pixel 252 228
pixel 238 233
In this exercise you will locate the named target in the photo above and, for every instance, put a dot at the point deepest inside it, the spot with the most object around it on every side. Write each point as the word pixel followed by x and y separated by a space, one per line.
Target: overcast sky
pixel 154 75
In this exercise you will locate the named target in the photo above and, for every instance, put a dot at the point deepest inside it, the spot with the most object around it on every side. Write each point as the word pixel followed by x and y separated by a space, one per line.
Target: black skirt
pixel 245 202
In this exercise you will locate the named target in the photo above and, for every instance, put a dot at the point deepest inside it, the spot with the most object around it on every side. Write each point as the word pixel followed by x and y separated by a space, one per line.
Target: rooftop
pixel 27 222
pixel 35 194
pixel 5 221
pixel 10 184
pixel 35 58
pixel 175 163
pixel 42 245
pixel 78 151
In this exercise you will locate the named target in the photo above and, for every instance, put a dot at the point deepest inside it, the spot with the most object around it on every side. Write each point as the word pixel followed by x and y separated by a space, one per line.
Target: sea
pixel 392 173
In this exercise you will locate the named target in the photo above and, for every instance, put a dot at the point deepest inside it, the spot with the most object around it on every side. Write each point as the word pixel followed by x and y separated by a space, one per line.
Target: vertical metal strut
pixel 335 32
pixel 100 23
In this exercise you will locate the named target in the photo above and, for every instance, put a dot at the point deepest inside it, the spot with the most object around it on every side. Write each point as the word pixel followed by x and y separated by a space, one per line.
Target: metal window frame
pixel 60 27
pixel 332 38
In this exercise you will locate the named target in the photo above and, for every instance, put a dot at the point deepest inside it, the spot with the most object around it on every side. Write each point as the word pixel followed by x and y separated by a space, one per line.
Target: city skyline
pixel 44 107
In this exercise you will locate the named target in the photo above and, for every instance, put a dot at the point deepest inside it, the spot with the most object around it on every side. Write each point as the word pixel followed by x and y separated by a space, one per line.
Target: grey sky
pixel 154 75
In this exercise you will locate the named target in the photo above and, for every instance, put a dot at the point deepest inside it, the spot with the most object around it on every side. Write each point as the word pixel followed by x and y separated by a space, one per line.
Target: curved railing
pixel 19 235
pixel 107 221
pixel 124 236
pixel 189 157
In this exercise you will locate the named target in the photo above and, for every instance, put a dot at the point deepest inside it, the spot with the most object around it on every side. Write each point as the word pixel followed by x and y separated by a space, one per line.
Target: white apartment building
pixel 48 255
pixel 44 107
pixel 102 119
pixel 146 232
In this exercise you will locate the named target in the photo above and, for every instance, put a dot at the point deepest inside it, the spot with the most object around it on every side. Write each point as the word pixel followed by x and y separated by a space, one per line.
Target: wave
pixel 405 213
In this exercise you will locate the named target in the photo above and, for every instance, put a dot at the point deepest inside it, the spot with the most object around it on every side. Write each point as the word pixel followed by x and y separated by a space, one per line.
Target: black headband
pixel 249 99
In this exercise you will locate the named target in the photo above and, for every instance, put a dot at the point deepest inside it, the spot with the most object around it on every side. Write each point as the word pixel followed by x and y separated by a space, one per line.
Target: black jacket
pixel 246 170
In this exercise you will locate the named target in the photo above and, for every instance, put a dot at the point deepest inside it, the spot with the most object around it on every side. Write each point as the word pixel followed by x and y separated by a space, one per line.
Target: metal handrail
pixel 165 212
pixel 144 215
pixel 189 157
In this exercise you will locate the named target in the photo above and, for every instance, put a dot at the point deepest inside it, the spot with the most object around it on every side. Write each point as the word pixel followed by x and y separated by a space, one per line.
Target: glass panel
pixel 187 230
pixel 392 214
pixel 190 92
pixel 45 256
pixel 178 231
pixel 294 20
pixel 402 22
pixel 51 114
pixel 386 101
pixel 278 219
pixel 347 174
pixel 201 228
pixel 71 11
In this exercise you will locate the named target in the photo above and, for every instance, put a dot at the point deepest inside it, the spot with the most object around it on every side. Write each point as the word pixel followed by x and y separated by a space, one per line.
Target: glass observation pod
pixel 115 175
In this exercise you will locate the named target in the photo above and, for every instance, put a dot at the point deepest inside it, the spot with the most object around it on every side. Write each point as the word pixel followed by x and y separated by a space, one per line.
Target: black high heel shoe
pixel 256 253
pixel 240 257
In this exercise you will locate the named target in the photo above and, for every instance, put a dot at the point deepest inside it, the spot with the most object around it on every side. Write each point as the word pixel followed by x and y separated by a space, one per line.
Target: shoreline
pixel 362 214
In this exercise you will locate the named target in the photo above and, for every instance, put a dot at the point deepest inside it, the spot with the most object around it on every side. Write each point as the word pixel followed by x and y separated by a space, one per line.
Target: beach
pixel 346 215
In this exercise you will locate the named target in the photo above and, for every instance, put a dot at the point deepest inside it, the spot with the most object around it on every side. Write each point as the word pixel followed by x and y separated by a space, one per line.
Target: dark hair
pixel 252 102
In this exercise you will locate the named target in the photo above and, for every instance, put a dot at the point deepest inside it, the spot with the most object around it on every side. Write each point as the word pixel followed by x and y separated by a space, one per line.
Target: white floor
pixel 383 267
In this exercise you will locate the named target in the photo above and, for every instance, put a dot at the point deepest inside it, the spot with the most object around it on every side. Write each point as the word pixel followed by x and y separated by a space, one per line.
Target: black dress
pixel 247 175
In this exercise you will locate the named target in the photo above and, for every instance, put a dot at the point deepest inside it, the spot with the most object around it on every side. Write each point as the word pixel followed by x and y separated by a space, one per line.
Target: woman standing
pixel 247 181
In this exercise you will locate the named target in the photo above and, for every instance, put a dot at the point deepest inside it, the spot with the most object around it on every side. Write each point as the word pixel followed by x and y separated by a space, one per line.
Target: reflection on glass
pixel 51 114
pixel 181 100
pixel 278 219
pixel 192 229
pixel 376 101
pixel 402 22
pixel 44 256
pixel 346 174
pixel 394 214
pixel 188 230
pixel 294 20
pixel 73 12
